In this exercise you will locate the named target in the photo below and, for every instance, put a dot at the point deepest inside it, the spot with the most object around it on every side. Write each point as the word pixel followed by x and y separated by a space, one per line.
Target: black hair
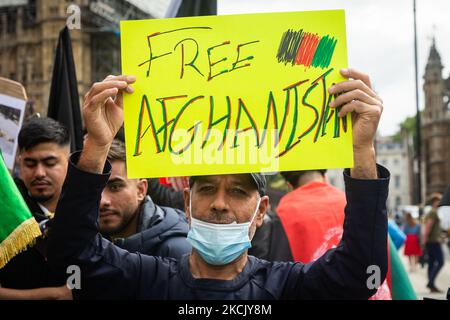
pixel 120 135
pixel 293 176
pixel 41 130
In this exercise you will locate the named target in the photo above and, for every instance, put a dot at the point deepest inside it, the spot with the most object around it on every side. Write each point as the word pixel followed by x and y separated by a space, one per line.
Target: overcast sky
pixel 380 41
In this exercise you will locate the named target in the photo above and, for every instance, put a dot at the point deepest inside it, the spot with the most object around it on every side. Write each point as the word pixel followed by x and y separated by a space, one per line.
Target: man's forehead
pixel 46 148
pixel 118 169
pixel 241 179
pixel 119 172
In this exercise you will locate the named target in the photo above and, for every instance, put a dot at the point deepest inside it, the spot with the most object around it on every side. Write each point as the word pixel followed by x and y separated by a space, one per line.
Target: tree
pixel 408 128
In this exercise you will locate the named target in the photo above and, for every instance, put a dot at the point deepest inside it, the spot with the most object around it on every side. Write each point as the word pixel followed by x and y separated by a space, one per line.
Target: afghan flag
pixel 398 280
pixel 18 228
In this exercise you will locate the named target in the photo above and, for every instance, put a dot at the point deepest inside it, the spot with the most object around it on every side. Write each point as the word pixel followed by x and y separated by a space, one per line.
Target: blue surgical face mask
pixel 219 244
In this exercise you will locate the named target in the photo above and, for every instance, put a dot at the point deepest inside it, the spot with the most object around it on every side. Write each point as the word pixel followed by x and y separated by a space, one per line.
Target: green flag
pixel 401 286
pixel 18 228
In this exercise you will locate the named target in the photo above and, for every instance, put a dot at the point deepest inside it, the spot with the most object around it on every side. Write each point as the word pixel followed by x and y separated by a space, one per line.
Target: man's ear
pixel 262 210
pixel 142 186
pixel 186 196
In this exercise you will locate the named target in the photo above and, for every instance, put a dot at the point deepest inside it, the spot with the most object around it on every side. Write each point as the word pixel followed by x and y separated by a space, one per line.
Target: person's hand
pixel 103 108
pixel 103 116
pixel 356 96
pixel 62 293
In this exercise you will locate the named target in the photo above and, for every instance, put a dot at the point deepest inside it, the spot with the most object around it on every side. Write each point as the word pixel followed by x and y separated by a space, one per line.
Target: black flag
pixel 64 102
pixel 197 8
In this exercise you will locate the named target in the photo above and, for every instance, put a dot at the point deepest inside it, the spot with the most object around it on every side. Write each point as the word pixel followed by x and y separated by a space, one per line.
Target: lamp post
pixel 418 151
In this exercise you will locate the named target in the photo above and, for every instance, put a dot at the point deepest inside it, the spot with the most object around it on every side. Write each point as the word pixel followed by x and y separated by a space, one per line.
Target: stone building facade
pixel 29 31
pixel 435 126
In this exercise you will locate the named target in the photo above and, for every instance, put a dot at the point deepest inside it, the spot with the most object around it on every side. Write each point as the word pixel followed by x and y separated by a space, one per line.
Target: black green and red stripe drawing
pixel 305 48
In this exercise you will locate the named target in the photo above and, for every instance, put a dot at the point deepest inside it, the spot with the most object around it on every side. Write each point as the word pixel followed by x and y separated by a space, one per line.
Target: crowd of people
pixel 423 243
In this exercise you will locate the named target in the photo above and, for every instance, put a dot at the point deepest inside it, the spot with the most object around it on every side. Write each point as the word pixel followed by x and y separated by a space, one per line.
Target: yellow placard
pixel 234 94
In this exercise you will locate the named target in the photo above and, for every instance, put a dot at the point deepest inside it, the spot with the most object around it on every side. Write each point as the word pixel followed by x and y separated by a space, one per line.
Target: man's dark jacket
pixel 110 272
pixel 161 232
pixel 29 269
pixel 270 241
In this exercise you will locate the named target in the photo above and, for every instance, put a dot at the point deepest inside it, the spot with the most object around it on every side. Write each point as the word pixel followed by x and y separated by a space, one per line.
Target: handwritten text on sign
pixel 232 94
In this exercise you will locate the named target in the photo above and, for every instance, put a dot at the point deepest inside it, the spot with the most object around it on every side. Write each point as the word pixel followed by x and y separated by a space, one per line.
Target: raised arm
pixel 359 263
pixel 356 96
pixel 106 271
pixel 103 117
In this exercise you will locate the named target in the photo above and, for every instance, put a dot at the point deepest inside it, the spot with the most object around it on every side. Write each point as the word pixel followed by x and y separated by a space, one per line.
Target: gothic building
pixel 29 31
pixel 435 126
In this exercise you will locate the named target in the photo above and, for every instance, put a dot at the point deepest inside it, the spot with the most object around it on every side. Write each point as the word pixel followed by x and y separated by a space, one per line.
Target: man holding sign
pixel 281 89
pixel 223 209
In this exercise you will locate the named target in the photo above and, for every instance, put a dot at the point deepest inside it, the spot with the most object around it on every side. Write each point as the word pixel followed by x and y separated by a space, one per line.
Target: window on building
pixel 29 14
pixel 24 72
pixel 398 201
pixel 397 181
pixel 53 10
pixel 11 18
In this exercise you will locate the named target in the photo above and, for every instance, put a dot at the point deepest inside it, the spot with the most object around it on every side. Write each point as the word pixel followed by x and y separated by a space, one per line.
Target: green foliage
pixel 409 127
